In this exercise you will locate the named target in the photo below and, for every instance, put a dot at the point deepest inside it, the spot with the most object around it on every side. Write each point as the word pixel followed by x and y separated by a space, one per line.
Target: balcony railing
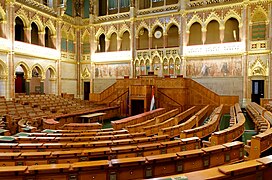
pixel 205 3
pixel 165 9
pixel 36 51
pixel 214 49
pixel 112 17
pixel 116 56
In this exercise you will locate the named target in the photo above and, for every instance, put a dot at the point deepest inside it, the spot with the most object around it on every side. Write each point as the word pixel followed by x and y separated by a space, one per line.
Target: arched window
pixel 195 37
pixel 113 42
pixel 125 45
pixel 173 36
pixel 48 38
pixel 102 43
pixel 19 30
pixel 34 34
pixel 143 39
pixel 157 40
pixel 231 33
pixel 213 33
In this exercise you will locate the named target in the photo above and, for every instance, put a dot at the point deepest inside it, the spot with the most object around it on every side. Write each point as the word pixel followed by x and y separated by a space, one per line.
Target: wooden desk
pixel 7 169
pixel 163 164
pixel 48 167
pixel 92 117
pixel 265 160
pixel 128 168
pixel 95 170
pixel 240 168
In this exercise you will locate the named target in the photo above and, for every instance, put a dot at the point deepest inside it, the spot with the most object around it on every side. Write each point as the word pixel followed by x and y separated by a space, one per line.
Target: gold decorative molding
pixel 258 68
pixel 86 74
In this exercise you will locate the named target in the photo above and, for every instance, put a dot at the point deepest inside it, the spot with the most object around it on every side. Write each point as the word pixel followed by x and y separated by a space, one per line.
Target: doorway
pixel 257 90
pixel 20 83
pixel 137 107
pixel 86 90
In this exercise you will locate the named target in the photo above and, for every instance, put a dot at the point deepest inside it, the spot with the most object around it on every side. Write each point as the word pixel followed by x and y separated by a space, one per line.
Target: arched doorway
pixel 36 85
pixel 20 82
pixel 50 81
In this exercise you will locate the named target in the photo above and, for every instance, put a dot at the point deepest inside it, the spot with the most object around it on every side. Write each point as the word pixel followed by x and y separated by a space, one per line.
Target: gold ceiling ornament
pixel 3 70
pixel 51 27
pixel 259 14
pixel 36 18
pixel 123 29
pixel 140 28
pixel 194 19
pixel 23 15
pixel 98 33
pixel 258 68
pixel 3 17
pixel 111 30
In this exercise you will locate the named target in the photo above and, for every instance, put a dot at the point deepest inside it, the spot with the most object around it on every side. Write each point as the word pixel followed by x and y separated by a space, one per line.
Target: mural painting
pixel 215 68
pixel 112 70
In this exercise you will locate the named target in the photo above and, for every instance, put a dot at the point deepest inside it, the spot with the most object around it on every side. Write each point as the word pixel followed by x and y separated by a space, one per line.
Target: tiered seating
pixel 254 169
pixel 132 168
pixel 32 111
pixel 119 124
pixel 206 129
pixel 263 141
pixel 231 133
pixel 73 152
pixel 191 122
pixel 257 113
pixel 151 127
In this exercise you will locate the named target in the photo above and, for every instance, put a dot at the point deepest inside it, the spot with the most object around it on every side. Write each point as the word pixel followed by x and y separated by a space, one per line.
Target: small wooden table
pixel 93 117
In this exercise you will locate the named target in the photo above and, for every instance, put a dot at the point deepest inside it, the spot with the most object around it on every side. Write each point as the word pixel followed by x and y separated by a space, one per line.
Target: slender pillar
pixel 41 38
pixel 42 86
pixel 27 34
pixel 10 34
pixel 27 86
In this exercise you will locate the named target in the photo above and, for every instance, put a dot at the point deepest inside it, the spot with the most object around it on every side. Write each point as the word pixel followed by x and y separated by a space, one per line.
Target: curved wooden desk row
pixel 254 169
pixel 147 125
pixel 132 168
pixel 260 143
pixel 33 139
pixel 261 123
pixel 86 154
pixel 40 146
pixel 78 133
pixel 231 133
pixel 188 124
pixel 122 123
pixel 206 129
pixel 73 116
pixel 154 129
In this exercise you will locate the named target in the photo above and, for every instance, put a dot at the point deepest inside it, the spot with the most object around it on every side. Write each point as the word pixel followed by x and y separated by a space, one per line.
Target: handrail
pixel 118 97
pixel 169 97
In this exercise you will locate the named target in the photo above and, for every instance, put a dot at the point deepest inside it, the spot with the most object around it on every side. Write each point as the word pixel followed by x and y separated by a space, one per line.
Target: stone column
pixel 245 39
pixel 42 86
pixel 119 43
pixel 150 40
pixel 78 56
pixel 107 44
pixel 10 34
pixel 204 31
pixel 133 41
pixel 27 34
pixel 52 44
pixel 27 86
pixel 222 34
pixel 165 40
pixel 41 38
pixel 58 62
